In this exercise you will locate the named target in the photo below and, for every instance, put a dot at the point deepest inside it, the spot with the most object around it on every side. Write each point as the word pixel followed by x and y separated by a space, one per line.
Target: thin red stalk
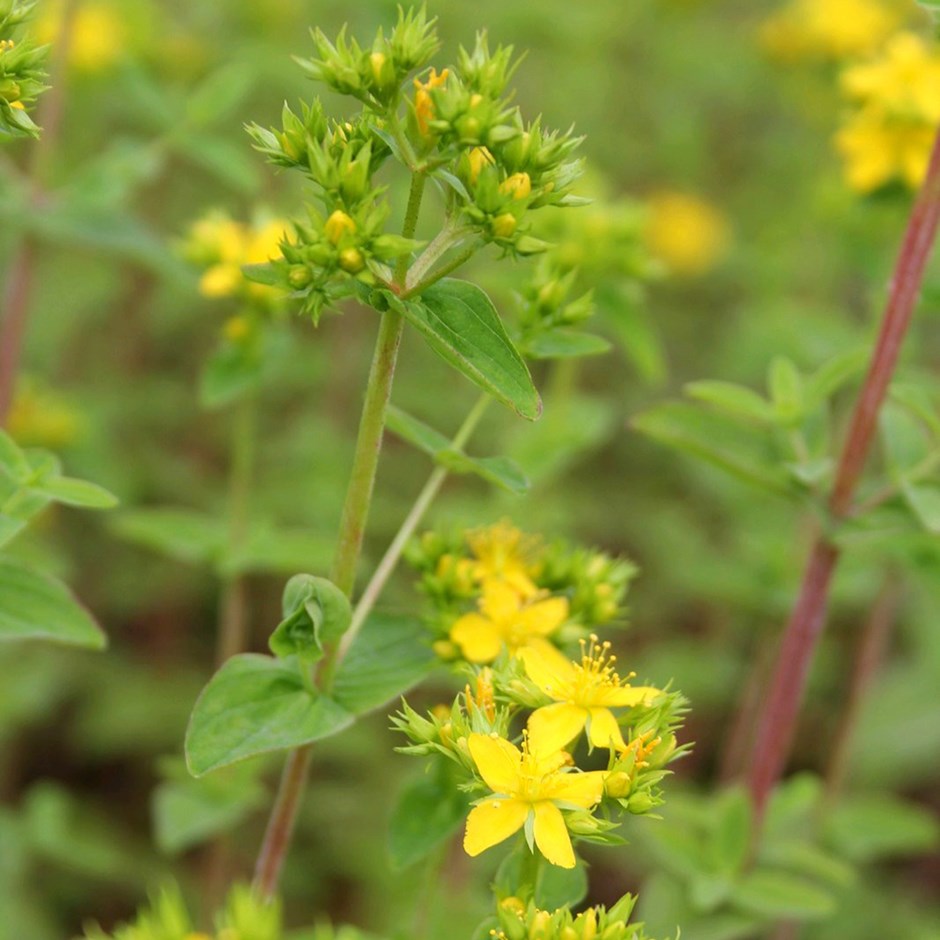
pixel 777 722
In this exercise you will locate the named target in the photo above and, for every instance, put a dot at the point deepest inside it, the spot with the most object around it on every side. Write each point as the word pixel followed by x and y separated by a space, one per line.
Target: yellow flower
pixel 890 134
pixel 583 694
pixel 828 29
pixel 478 158
pixel 503 553
pixel 508 620
pixel 529 787
pixel 424 106
pixel 98 38
pixel 689 235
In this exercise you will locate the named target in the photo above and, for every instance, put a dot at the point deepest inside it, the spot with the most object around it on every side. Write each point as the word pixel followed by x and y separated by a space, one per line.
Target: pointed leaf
pixel 34 606
pixel 388 657
pixel 461 325
pixel 256 704
pixel 566 344
pixel 735 400
pixel 75 492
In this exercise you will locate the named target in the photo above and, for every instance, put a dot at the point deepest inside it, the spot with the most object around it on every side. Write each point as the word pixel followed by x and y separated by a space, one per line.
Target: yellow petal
pixel 625 696
pixel 544 617
pixel 500 601
pixel 548 669
pixel 581 789
pixel 477 637
pixel 492 821
pixel 552 727
pixel 551 835
pixel 497 760
pixel 603 730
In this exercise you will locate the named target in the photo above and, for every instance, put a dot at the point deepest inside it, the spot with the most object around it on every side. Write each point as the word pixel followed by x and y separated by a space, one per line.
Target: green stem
pixel 447 238
pixel 394 551
pixel 352 527
pixel 454 263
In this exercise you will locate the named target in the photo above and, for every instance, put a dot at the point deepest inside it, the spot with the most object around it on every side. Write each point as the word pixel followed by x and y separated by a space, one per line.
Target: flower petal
pixel 498 761
pixel 626 695
pixel 551 671
pixel 581 789
pixel 544 617
pixel 603 730
pixel 492 821
pixel 477 637
pixel 551 835
pixel 499 601
pixel 552 727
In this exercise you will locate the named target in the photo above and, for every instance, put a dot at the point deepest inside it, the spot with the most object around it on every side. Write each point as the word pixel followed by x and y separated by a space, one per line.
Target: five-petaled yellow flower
pixel 583 694
pixel 507 619
pixel 530 789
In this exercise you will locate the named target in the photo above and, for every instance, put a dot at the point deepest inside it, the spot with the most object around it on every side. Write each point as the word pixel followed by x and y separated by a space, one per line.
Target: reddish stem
pixel 777 722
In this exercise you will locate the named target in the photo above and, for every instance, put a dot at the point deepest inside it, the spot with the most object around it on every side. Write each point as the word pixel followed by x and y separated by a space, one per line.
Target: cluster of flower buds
pixel 558 591
pixel 519 921
pixel 456 126
pixel 21 71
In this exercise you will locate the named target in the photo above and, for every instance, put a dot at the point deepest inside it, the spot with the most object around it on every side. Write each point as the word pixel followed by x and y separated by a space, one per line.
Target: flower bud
pixel 504 225
pixel 640 803
pixel 298 276
pixel 518 186
pixel 351 260
pixel 617 784
pixel 338 225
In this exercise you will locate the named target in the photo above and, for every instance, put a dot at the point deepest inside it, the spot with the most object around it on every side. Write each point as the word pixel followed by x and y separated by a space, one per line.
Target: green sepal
pixel 316 612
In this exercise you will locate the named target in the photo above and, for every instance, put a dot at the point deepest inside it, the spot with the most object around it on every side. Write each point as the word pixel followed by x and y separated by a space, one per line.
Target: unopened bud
pixel 351 260
pixel 504 225
pixel 338 225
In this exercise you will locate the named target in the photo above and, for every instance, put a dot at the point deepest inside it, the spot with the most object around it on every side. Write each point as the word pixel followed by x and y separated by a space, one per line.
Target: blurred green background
pixel 772 254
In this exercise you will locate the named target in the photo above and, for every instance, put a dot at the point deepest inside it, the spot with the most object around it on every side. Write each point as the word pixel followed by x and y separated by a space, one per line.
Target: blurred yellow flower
pixel 527 784
pixel 689 235
pixel 828 29
pixel 583 694
pixel 222 246
pixel 41 418
pixel 507 620
pixel 889 136
pixel 503 553
pixel 98 38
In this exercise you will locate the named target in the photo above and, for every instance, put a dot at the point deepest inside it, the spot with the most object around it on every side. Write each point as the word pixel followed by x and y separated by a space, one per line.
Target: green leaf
pixel 906 439
pixel 188 812
pixel 875 826
pixel 566 344
pixel 924 502
pixel 731 838
pixel 256 704
pixel 183 534
pixel 12 459
pixel 555 887
pixel 735 400
pixel 429 811
pixel 34 606
pixel 501 471
pixel 460 323
pixel 780 895
pixel 388 657
pixel 316 612
pixel 785 385
pixel 76 493
pixel 717 440
pixel 804 858
pixel 832 375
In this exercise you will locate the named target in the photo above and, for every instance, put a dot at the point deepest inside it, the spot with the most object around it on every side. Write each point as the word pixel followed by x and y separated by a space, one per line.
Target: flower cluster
pixel 496 589
pixel 888 135
pixel 222 247
pixel 21 71
pixel 517 727
pixel 686 233
pixel 455 126
pixel 519 921
pixel 890 75
pixel 828 29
